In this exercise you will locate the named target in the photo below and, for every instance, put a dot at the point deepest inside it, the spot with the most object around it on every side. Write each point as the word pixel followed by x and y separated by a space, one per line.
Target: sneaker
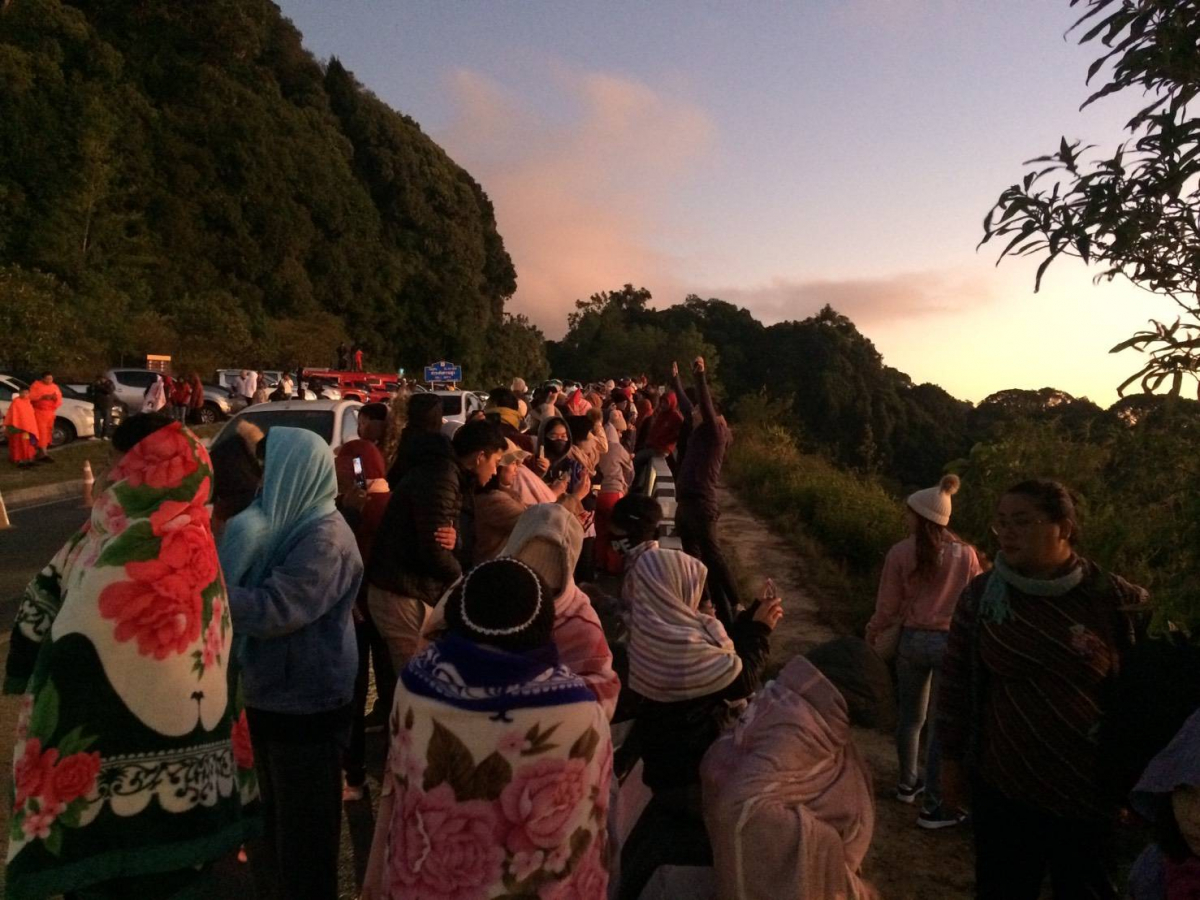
pixel 906 794
pixel 934 819
pixel 352 793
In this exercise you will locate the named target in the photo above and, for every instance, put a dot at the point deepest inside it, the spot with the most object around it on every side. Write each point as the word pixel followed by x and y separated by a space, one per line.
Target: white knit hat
pixel 934 503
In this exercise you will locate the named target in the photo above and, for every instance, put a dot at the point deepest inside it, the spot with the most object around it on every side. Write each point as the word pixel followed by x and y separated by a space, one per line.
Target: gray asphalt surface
pixel 37 534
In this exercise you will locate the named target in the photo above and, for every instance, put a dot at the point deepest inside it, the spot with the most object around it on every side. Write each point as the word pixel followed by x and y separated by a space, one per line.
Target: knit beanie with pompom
pixel 934 503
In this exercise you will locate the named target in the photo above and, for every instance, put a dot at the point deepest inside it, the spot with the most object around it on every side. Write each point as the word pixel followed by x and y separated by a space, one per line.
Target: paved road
pixel 37 534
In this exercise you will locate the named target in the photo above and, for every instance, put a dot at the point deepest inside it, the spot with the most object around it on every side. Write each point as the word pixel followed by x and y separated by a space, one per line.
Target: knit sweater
pixel 1031 720
pixel 925 604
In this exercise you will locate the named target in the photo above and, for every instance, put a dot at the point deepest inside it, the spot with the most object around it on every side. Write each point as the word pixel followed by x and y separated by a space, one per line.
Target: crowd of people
pixel 573 708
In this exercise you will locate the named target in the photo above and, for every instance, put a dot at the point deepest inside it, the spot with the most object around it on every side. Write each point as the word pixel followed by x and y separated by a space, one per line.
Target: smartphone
pixel 359 478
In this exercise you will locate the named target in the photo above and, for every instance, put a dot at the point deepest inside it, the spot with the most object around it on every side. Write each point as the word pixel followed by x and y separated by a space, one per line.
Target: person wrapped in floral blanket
pixel 497 781
pixel 132 765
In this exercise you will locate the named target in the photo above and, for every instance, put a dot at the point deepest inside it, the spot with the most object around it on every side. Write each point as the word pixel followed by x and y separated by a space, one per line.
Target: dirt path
pixel 905 863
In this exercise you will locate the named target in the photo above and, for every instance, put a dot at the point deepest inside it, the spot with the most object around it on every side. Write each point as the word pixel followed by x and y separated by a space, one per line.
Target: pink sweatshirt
pixel 930 604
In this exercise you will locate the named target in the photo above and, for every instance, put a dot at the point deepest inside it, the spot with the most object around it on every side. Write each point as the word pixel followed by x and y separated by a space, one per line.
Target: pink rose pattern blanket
pixel 495 800
pixel 132 754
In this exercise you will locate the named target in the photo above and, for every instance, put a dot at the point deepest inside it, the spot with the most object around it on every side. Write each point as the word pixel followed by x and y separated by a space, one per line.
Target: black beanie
pixel 504 604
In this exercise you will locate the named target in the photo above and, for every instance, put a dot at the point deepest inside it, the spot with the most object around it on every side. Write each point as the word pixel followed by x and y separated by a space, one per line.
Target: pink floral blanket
pixel 496 786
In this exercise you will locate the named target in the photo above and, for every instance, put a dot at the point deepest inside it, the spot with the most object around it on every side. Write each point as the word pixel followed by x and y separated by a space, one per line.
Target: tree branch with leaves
pixel 1136 212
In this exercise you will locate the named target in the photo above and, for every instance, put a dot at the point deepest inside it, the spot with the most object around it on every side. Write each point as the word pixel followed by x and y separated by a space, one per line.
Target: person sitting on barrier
pixel 788 801
pixel 689 670
pixel 691 677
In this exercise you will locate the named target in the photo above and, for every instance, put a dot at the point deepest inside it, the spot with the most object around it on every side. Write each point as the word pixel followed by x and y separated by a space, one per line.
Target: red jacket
pixel 665 425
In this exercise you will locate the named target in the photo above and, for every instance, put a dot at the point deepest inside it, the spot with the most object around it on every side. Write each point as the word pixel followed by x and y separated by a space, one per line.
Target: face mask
pixel 558 448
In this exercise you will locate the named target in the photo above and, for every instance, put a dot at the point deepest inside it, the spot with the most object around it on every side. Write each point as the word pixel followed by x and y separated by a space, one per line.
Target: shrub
pixel 850 517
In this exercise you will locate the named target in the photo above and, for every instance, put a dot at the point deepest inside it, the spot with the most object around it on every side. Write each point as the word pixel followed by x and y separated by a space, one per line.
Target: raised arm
pixel 703 395
pixel 685 403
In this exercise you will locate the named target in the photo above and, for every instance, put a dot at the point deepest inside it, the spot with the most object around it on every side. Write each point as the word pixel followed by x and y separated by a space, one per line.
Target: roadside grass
pixel 842 524
pixel 68 462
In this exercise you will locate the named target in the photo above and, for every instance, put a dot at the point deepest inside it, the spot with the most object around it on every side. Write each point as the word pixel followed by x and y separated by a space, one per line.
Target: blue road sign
pixel 443 373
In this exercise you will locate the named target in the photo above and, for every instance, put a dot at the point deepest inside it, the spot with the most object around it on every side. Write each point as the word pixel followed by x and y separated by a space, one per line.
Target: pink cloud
pixel 867 301
pixel 579 198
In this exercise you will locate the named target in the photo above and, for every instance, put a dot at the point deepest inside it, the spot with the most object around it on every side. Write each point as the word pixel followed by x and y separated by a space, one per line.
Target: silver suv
pixel 131 386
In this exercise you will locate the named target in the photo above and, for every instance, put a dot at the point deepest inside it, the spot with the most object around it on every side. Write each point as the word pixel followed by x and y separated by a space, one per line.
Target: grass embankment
pixel 1138 506
pixel 68 462
pixel 842 523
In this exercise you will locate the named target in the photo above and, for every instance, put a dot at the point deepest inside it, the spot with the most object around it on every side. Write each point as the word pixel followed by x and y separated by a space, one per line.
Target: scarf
pixel 497 780
pixel 132 753
pixel 675 652
pixel 299 486
pixel 509 417
pixel 995 605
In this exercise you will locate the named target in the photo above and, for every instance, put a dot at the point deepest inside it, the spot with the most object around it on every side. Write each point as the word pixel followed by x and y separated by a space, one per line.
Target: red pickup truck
pixel 365 387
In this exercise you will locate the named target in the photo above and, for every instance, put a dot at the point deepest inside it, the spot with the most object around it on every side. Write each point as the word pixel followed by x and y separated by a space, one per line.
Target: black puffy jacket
pixel 406 559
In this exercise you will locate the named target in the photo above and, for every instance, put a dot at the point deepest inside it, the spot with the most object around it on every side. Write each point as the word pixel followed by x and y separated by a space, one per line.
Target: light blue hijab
pixel 299 487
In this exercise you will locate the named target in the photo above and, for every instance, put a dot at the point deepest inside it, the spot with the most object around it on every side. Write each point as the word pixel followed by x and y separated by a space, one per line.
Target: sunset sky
pixel 777 155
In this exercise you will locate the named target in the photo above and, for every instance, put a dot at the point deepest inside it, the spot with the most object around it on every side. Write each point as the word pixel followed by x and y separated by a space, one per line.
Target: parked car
pixel 131 384
pixel 456 407
pixel 359 386
pixel 74 420
pixel 334 420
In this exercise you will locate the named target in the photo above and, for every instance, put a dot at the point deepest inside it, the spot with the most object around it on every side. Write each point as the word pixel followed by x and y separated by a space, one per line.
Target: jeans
pixel 371 646
pixel 1016 845
pixel 919 671
pixel 179 412
pixel 101 412
pixel 697 529
pixel 301 786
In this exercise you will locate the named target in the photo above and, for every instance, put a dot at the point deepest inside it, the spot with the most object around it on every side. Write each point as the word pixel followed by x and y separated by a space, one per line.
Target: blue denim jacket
pixel 299 653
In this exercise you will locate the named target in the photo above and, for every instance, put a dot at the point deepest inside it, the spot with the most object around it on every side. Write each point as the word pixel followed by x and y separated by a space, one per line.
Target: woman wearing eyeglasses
pixel 1034 648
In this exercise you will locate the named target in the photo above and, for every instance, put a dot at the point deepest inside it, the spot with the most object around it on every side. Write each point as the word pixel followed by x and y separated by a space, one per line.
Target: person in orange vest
pixel 20 424
pixel 46 398
pixel 358 359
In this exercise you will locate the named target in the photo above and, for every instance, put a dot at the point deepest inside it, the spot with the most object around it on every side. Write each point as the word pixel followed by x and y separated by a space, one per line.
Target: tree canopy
pixel 187 178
